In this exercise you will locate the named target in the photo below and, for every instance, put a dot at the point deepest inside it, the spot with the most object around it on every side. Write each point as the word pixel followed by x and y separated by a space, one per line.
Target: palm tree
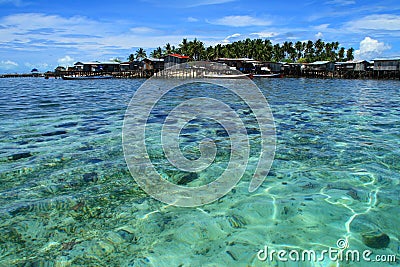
pixel 258 49
pixel 131 58
pixel 196 49
pixel 309 52
pixel 183 47
pixel 157 53
pixel 140 54
pixel 278 53
pixel 299 49
pixel 210 53
pixel 217 51
pixel 349 54
pixel 268 50
pixel 174 50
pixel 291 52
pixel 285 49
pixel 319 49
pixel 328 52
pixel 341 54
pixel 168 49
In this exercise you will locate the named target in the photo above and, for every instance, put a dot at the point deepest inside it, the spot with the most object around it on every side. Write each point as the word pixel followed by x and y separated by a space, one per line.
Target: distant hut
pixel 97 66
pixel 293 69
pixel 387 64
pixel 353 65
pixel 109 66
pixel 246 65
pixel 131 66
pixel 78 66
pixel 387 68
pixel 174 59
pixel 35 72
pixel 267 66
pixel 153 64
pixel 321 66
pixel 59 70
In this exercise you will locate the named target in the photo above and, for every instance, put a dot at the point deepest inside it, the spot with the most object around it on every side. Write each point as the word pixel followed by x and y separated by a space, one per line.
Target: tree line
pixel 258 49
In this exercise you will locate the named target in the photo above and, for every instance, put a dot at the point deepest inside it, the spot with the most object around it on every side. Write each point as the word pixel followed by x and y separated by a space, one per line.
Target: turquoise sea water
pixel 68 199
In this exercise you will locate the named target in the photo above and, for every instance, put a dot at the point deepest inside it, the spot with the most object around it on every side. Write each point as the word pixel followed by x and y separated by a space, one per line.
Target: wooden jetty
pixel 21 75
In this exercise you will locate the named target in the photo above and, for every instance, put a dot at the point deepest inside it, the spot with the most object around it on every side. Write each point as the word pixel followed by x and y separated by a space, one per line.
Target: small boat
pixel 92 77
pixel 225 76
pixel 270 75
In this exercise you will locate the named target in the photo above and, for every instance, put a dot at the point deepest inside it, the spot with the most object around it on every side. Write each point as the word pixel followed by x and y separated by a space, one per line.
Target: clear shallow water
pixel 67 198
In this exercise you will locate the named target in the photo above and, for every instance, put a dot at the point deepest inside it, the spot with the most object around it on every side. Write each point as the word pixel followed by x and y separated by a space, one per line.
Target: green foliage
pixel 140 54
pixel 157 53
pixel 349 54
pixel 258 49
pixel 302 60
pixel 131 58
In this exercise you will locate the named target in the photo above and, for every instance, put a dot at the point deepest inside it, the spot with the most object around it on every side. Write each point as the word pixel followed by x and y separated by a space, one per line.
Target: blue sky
pixel 44 34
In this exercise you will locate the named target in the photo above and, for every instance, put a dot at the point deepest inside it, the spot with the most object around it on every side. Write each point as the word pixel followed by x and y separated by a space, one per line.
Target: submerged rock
pixel 353 194
pixel 55 133
pixel 67 125
pixel 187 178
pixel 90 177
pixel 375 239
pixel 21 155
pixel 236 221
pixel 127 234
pixel 94 161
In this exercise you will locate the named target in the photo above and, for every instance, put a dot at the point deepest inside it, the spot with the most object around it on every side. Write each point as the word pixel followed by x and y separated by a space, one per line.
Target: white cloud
pixel 370 48
pixel 8 65
pixel 240 21
pixel 191 19
pixel 319 35
pixel 385 22
pixel 321 27
pixel 341 2
pixel 30 31
pixel 37 32
pixel 265 34
pixel 66 61
pixel 140 30
pixel 234 35
pixel 228 38
pixel 208 2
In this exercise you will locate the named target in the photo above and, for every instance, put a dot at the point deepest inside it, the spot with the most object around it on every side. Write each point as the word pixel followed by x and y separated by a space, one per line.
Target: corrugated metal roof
pixel 90 63
pixel 236 59
pixel 178 56
pixel 319 63
pixel 109 63
pixel 351 62
pixel 155 59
